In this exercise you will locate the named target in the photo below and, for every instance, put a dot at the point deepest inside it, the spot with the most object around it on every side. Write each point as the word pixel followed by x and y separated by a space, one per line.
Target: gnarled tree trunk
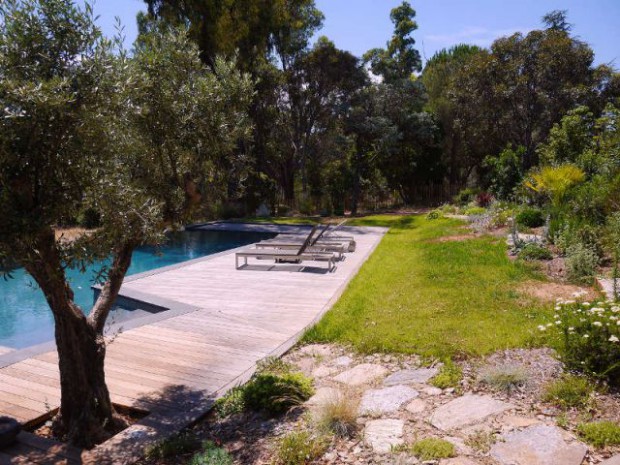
pixel 86 411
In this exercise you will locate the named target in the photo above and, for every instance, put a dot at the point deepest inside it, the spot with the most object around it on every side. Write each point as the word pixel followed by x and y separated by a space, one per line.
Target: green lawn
pixel 437 299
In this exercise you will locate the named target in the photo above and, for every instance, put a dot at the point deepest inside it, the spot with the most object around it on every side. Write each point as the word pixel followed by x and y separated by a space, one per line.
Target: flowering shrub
pixel 588 337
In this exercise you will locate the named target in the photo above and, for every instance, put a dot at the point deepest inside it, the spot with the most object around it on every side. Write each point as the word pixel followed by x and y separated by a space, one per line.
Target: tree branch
pixel 109 291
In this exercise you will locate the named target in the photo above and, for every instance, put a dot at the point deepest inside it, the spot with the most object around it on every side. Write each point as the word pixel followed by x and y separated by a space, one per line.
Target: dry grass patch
pixel 338 414
pixel 549 292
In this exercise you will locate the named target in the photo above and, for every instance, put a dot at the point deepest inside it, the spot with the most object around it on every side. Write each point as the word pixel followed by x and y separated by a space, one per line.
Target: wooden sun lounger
pixel 321 247
pixel 324 240
pixel 289 256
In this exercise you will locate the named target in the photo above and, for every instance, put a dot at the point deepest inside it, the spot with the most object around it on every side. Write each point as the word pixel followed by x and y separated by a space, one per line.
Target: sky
pixel 360 25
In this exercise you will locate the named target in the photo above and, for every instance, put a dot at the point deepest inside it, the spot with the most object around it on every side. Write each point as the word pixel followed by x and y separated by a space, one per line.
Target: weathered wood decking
pixel 175 364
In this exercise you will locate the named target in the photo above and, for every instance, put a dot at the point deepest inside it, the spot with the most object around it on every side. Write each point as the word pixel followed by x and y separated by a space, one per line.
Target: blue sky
pixel 359 25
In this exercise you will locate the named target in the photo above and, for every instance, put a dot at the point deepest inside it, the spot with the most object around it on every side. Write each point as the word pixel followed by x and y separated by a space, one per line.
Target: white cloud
pixel 480 36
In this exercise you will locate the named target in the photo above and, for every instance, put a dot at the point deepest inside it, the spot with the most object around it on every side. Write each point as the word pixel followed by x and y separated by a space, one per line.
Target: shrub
pixel 504 378
pixel 588 338
pixel 433 215
pixel 211 455
pixel 449 376
pixel 530 218
pixel 433 449
pixel 484 199
pixel 534 251
pixel 474 211
pixel 338 415
pixel 568 391
pixel 233 402
pixel 500 214
pixel 300 448
pixel 581 263
pixel 176 445
pixel 466 196
pixel 276 393
pixel 600 433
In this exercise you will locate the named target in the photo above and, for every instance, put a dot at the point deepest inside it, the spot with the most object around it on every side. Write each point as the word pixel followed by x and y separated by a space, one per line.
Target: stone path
pixel 397 405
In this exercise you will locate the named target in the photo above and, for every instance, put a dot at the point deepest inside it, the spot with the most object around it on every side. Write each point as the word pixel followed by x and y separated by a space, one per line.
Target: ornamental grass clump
pixel 587 337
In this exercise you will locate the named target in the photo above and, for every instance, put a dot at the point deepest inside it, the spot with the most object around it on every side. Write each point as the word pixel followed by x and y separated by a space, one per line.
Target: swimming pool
pixel 25 317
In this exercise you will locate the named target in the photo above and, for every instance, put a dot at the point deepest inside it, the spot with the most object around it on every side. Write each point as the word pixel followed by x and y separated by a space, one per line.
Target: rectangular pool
pixel 25 317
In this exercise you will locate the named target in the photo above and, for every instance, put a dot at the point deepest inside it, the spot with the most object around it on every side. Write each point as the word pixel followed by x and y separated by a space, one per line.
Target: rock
pixel 316 350
pixel 537 445
pixel 361 374
pixel 386 400
pixel 323 371
pixel 324 395
pixel 343 361
pixel 458 461
pixel 460 445
pixel 431 391
pixel 467 410
pixel 9 429
pixel 514 421
pixel 416 406
pixel 612 461
pixel 383 435
pixel 419 375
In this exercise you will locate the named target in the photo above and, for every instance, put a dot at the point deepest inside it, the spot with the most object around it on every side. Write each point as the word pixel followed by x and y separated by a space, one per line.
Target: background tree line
pixel 331 130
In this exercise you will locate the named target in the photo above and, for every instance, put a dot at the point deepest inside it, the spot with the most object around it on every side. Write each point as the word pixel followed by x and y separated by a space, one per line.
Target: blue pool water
pixel 25 317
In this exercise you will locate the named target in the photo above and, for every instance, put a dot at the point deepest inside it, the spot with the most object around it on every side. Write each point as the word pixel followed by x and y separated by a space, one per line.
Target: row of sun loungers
pixel 326 245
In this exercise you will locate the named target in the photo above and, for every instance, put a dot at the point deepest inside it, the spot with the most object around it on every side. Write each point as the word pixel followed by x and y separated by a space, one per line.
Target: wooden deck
pixel 174 367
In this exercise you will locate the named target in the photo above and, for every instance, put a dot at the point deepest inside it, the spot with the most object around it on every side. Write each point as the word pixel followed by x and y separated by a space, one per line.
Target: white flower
pixel 613 339
pixel 542 328
pixel 615 309
pixel 571 328
pixel 586 336
pixel 585 304
pixel 597 323
pixel 558 322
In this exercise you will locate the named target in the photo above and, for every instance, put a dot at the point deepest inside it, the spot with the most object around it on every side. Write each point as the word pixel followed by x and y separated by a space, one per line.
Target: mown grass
pixel 437 299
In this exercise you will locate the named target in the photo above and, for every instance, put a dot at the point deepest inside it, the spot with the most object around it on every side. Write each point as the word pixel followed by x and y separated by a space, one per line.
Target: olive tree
pixel 138 137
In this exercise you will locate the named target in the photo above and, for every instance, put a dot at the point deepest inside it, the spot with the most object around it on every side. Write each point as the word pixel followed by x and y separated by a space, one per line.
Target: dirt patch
pixel 456 238
pixel 549 292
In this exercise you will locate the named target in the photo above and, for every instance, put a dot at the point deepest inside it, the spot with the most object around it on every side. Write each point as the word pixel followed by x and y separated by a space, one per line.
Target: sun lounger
pixel 325 240
pixel 289 256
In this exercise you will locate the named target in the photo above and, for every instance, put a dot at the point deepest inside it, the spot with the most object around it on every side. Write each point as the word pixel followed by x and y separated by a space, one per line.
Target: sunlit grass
pixel 438 299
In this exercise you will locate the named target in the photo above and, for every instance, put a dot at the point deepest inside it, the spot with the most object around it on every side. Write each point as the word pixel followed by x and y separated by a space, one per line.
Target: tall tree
pixel 78 129
pixel 400 59
pixel 462 151
pixel 266 37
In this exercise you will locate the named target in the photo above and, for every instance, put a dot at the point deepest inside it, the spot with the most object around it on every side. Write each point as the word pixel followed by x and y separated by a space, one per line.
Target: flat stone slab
pixel 607 286
pixel 361 374
pixel 416 406
pixel 458 461
pixel 386 400
pixel 316 350
pixel 537 445
pixel 323 371
pixel 467 410
pixel 612 461
pixel 324 395
pixel 383 435
pixel 343 361
pixel 418 375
